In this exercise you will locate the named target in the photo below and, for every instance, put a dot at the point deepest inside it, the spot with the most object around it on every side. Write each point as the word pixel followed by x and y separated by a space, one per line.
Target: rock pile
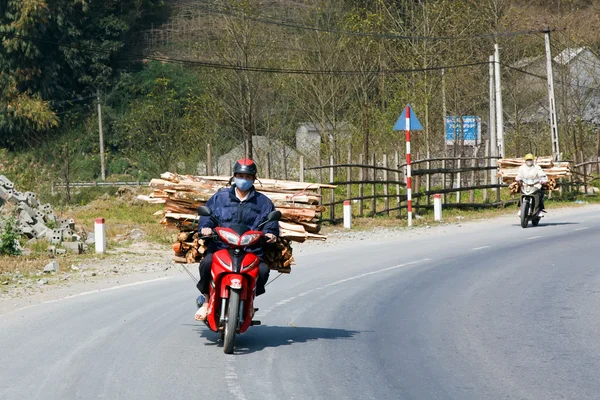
pixel 33 218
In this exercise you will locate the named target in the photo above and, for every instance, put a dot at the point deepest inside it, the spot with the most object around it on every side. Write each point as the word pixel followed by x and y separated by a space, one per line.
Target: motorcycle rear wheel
pixel 232 321
pixel 524 213
pixel 535 221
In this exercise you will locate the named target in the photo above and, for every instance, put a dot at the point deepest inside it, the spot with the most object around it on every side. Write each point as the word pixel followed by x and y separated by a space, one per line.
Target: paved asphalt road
pixel 493 312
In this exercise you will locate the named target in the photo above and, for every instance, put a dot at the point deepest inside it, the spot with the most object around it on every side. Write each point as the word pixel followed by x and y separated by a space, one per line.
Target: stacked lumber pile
pixel 508 169
pixel 183 194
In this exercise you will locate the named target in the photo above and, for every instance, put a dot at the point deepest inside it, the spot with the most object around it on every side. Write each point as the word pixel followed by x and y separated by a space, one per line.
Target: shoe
pixel 519 214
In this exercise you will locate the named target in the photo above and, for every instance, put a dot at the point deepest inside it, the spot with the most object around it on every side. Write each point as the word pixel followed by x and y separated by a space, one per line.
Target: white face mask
pixel 529 163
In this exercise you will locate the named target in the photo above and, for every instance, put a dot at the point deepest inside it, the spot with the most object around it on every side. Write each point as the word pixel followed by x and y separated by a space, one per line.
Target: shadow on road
pixel 262 337
pixel 542 224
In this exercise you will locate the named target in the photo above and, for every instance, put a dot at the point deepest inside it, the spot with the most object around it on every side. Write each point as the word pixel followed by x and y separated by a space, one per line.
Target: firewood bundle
pixel 190 248
pixel 183 194
pixel 515 187
pixel 508 169
pixel 278 256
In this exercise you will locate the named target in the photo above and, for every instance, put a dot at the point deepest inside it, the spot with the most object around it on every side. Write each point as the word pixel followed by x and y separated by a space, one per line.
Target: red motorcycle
pixel 234 274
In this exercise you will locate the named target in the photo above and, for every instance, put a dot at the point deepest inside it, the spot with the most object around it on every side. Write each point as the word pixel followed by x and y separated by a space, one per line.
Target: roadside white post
pixel 437 207
pixel 100 235
pixel 347 214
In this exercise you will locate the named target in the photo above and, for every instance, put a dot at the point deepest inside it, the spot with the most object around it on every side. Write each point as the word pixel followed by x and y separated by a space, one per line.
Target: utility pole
pixel 499 115
pixel 492 121
pixel 444 111
pixel 102 164
pixel 551 101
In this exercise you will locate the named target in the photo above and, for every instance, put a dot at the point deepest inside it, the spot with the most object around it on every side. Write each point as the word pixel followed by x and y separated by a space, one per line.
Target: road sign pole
pixel 408 122
pixel 408 169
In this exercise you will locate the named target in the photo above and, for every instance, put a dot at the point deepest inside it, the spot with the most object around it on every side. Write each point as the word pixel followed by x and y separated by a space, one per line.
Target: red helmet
pixel 245 166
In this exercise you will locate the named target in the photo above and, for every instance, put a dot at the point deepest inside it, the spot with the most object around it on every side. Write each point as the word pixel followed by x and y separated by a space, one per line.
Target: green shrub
pixel 9 239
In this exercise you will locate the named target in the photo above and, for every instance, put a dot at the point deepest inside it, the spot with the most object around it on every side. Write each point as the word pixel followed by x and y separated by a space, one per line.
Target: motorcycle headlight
pixel 228 236
pixel 249 238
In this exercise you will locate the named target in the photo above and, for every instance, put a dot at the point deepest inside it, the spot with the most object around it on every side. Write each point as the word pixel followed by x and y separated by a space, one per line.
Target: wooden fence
pixel 584 175
pixel 377 186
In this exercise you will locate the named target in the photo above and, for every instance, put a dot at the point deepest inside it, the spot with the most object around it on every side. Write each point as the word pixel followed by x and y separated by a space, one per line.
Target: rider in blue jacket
pixel 239 204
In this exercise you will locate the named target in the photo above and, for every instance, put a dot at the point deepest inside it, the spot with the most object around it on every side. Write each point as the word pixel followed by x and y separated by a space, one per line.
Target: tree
pixel 167 124
pixel 53 51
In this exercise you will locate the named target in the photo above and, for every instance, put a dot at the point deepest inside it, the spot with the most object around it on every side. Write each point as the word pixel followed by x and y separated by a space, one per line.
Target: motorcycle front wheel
pixel 524 213
pixel 232 321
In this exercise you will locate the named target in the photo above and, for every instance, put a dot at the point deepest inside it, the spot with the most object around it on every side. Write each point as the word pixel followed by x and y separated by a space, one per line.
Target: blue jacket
pixel 228 210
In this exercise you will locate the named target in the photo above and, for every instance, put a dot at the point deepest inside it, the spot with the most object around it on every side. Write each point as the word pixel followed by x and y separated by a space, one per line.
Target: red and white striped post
pixel 347 214
pixel 437 207
pixel 408 169
pixel 100 235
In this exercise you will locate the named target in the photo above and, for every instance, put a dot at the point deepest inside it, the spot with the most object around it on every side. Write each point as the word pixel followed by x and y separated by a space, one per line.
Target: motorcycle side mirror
pixel 204 211
pixel 274 216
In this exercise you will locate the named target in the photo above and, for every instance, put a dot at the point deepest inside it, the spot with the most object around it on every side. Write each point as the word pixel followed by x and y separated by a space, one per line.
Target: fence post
pixel 332 191
pixel 374 200
pixel 397 163
pixel 361 189
pixel 301 169
pixel 349 174
pixel 444 176
pixel 487 171
pixel 386 188
pixel 598 165
pixel 268 166
pixel 473 183
pixel 458 175
pixel 209 169
pixel 428 181
pixel 585 176
pixel 285 164
pixel 416 181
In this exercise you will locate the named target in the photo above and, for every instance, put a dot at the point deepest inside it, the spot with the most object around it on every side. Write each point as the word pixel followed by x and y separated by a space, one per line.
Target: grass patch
pixel 121 217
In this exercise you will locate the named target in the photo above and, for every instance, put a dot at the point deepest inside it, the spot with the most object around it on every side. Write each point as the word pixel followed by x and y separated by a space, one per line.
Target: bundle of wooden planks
pixel 183 194
pixel 508 169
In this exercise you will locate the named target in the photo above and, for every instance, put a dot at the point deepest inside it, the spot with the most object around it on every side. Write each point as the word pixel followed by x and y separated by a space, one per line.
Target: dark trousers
pixel 205 277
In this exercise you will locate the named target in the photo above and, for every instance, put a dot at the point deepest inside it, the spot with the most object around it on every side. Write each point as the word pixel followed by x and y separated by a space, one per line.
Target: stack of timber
pixel 509 167
pixel 183 194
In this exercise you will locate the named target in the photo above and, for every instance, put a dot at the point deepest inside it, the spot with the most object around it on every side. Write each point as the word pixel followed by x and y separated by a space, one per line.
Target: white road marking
pixel 581 229
pixel 352 278
pixel 481 248
pixel 533 237
pixel 231 378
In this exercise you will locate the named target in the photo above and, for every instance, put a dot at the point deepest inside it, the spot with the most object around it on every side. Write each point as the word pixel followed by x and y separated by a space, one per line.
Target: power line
pixel 216 65
pixel 545 78
pixel 297 25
